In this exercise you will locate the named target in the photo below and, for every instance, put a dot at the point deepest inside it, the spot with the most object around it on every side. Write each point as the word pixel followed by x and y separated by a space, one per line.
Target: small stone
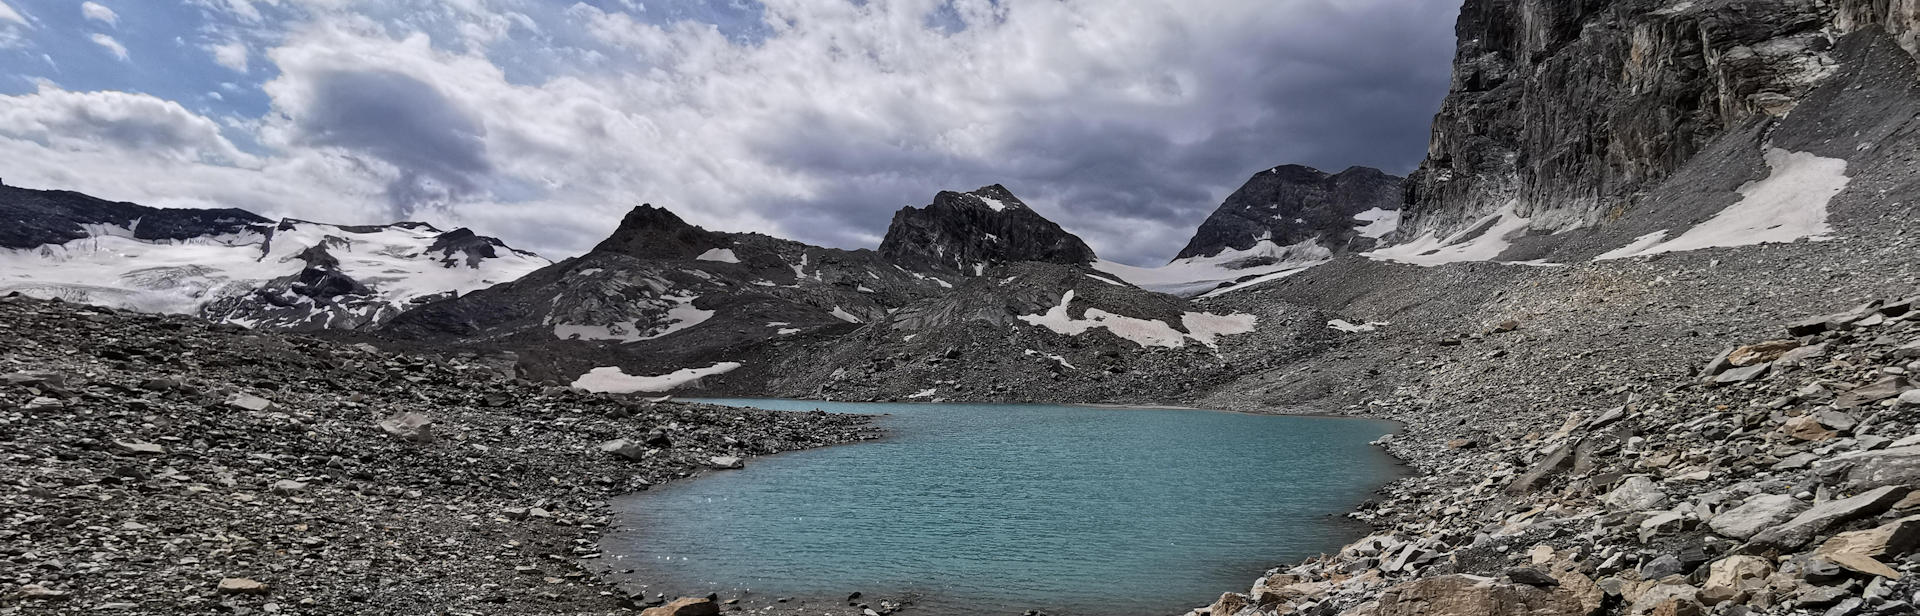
pixel 1637 493
pixel 1761 353
pixel 140 448
pixel 249 402
pixel 726 462
pixel 626 449
pixel 241 586
pixel 410 427
pixel 685 606
pixel 287 487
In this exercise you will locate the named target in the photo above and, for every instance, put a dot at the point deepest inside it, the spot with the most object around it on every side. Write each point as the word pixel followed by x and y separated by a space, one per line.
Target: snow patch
pixel 1351 328
pixel 991 203
pixel 1057 358
pixel 924 393
pixel 1107 280
pixel 1789 205
pixel 1380 222
pixel 722 255
pixel 842 314
pixel 1204 327
pixel 612 380
pixel 1483 240
pixel 679 316
pixel 1199 275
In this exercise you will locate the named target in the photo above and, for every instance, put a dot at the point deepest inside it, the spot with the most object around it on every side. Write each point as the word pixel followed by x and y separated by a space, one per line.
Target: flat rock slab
pixel 1797 532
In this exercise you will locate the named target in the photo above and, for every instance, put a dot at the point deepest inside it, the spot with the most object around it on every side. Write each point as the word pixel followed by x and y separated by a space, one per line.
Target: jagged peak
pixel 651 232
pixel 967 232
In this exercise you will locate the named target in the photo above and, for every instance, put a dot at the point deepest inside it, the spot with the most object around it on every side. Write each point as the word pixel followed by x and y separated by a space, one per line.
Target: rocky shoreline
pixel 164 464
pixel 1777 477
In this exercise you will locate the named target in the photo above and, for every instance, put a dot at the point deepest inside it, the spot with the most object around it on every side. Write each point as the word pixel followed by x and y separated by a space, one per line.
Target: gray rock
pixel 623 448
pixel 1663 566
pixel 287 487
pixel 1801 529
pixel 726 462
pixel 249 402
pixel 1637 493
pixel 1757 514
pixel 411 427
pixel 1742 375
pixel 1879 390
pixel 1865 470
pixel 139 448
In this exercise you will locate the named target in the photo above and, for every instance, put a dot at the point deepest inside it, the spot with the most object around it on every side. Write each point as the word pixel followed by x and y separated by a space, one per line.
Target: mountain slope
pixel 965 233
pixel 1283 220
pixel 234 266
pixel 660 296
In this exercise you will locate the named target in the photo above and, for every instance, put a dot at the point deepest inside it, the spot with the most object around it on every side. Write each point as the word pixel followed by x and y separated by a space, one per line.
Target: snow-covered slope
pixel 239 268
pixel 1282 221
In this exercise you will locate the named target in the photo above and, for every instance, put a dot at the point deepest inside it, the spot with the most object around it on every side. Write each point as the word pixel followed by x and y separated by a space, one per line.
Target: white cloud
pixel 119 51
pixel 231 54
pixel 563 119
pixel 92 122
pixel 95 11
pixel 8 14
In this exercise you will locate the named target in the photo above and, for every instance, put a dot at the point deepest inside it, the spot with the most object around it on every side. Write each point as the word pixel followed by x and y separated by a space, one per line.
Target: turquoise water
pixel 1003 508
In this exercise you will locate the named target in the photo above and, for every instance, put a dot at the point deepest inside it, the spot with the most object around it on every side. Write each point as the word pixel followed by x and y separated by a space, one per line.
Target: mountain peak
pixel 1289 204
pixel 967 232
pixel 650 232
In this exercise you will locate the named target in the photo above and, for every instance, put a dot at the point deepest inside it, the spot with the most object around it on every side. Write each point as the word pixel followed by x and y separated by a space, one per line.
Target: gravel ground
pixel 161 465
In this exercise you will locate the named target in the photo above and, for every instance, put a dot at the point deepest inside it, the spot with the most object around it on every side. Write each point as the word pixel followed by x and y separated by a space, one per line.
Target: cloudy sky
pixel 543 121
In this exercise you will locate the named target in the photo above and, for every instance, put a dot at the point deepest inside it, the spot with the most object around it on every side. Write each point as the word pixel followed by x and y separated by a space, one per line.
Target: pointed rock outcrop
pixel 969 232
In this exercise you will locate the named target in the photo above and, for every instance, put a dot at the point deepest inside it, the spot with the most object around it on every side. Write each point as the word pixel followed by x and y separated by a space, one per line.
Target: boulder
pixel 249 402
pixel 726 462
pixel 1862 564
pixel 1801 529
pixel 139 448
pixel 1733 577
pixel 1667 600
pixel 1893 539
pixel 1229 604
pixel 1552 464
pixel 410 427
pixel 1807 428
pixel 1742 375
pixel 1637 493
pixel 1879 390
pixel 625 449
pixel 1472 595
pixel 1761 353
pixel 1872 469
pixel 241 586
pixel 685 606
pixel 1757 514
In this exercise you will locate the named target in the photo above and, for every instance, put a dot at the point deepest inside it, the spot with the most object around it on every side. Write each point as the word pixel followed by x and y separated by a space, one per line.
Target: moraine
pixel 972 508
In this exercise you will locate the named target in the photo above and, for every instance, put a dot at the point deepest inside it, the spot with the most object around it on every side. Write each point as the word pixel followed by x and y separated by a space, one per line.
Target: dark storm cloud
pixel 438 148
pixel 1346 86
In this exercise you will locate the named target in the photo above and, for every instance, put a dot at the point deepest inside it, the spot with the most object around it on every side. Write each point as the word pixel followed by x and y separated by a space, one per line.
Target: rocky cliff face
pixel 1290 204
pixel 965 233
pixel 1569 110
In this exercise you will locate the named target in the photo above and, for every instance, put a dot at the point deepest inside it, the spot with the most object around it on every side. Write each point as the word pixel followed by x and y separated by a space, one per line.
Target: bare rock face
pixel 1290 204
pixel 649 232
pixel 1567 110
pixel 966 233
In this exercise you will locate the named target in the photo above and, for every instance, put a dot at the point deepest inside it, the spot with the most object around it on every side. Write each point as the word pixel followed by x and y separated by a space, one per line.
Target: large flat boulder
pixel 1472 595
pixel 1797 532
